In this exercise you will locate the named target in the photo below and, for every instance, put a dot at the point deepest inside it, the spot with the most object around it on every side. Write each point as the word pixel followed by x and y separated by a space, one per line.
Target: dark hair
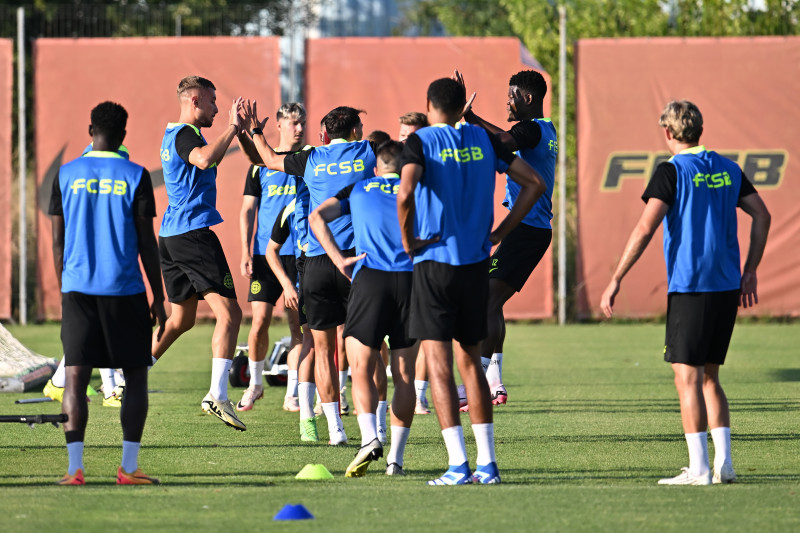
pixel 530 81
pixel 194 82
pixel 378 137
pixel 389 154
pixel 110 119
pixel 340 121
pixel 447 95
pixel 414 118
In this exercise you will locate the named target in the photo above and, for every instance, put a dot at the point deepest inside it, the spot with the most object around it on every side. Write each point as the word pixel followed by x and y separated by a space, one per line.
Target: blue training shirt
pixel 542 158
pixel 373 206
pixel 455 196
pixel 274 190
pixel 101 251
pixel 192 192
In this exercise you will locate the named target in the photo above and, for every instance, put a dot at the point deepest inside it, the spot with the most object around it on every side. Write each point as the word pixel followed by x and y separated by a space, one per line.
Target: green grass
pixel 592 423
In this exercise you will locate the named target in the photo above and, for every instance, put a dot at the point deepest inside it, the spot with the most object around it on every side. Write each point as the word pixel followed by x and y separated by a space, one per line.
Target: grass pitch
pixel 592 423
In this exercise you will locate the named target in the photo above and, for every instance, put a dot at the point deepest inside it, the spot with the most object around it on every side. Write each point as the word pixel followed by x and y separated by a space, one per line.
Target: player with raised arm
pixel 102 209
pixel 534 139
pixel 696 194
pixel 266 194
pixel 379 303
pixel 192 258
pixel 446 191
pixel 326 170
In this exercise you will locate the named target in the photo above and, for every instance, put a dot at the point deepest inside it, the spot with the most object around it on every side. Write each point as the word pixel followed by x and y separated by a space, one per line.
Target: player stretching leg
pixel 446 191
pixel 534 139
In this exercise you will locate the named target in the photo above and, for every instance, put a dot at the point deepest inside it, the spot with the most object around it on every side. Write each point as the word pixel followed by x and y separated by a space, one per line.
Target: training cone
pixel 314 473
pixel 294 512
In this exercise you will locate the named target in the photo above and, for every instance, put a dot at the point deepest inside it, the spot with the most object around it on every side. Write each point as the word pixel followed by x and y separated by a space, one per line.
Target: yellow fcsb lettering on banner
pixel 104 186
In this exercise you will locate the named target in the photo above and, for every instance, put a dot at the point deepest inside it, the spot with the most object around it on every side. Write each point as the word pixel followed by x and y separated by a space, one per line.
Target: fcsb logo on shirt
pixel 462 155
pixel 383 187
pixel 105 186
pixel 343 167
pixel 165 155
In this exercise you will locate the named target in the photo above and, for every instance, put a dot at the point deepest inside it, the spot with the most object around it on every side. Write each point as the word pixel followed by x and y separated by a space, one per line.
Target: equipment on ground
pixel 21 369
pixel 276 369
pixel 32 420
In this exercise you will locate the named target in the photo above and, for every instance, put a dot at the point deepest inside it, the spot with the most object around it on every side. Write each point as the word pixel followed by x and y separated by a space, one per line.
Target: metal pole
pixel 562 167
pixel 178 25
pixel 23 169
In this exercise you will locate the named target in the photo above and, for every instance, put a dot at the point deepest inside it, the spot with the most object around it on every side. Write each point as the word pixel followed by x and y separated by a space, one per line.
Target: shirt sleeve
pixel 747 187
pixel 412 151
pixel 344 205
pixel 55 199
pixel 252 182
pixel 281 229
pixel 526 134
pixel 344 193
pixel 144 201
pixel 295 164
pixel 502 152
pixel 187 140
pixel 663 185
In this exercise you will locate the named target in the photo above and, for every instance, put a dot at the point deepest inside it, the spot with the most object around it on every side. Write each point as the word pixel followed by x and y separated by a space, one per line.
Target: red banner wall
pixel 74 75
pixel 6 91
pixel 746 89
pixel 388 77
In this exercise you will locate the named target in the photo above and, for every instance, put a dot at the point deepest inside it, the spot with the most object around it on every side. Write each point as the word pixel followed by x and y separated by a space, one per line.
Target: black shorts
pixel 449 302
pixel 519 253
pixel 193 263
pixel 379 305
pixel 325 292
pixel 264 285
pixel 106 331
pixel 301 301
pixel 699 326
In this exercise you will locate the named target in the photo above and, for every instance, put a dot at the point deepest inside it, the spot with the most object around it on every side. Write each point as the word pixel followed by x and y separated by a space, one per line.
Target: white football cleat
pixel 687 478
pixel 725 474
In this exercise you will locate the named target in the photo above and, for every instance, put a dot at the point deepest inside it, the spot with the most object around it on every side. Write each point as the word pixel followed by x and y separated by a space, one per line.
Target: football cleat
pixel 395 469
pixel 364 456
pixel 462 399
pixel 344 407
pixel 687 478
pixel 136 478
pixel 308 430
pixel 486 474
pixel 112 401
pixel 499 395
pixel 119 391
pixel 222 410
pixel 76 479
pixel 455 475
pixel 253 393
pixel 291 404
pixel 337 436
pixel 53 392
pixel 422 407
pixel 725 474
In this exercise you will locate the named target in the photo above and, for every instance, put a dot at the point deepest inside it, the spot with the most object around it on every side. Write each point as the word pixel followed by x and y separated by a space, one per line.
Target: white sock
pixel 107 375
pixel 698 453
pixel 219 378
pixel 485 362
pixel 130 456
pixel 368 427
pixel 399 439
pixel 493 372
pixel 256 368
pixel 305 397
pixel 381 415
pixel 484 440
pixel 291 383
pixel 456 449
pixel 722 446
pixel 59 378
pixel 75 451
pixel 498 358
pixel 421 387
pixel 331 410
pixel 342 379
pixel 119 377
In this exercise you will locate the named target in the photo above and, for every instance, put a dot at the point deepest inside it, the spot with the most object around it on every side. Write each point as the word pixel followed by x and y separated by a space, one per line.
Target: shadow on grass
pixel 785 374
pixel 621 406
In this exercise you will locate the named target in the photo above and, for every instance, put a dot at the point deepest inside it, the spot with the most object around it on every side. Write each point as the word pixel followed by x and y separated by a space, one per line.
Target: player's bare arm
pixel 753 205
pixel 532 187
pixel 272 254
pixel 407 208
pixel 148 250
pixel 247 217
pixel 470 116
pixel 654 213
pixel 58 246
pixel 269 158
pixel 330 210
pixel 204 157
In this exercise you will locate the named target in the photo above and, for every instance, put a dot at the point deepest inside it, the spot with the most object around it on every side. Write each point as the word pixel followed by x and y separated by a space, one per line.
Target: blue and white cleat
pixel 455 475
pixel 486 474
